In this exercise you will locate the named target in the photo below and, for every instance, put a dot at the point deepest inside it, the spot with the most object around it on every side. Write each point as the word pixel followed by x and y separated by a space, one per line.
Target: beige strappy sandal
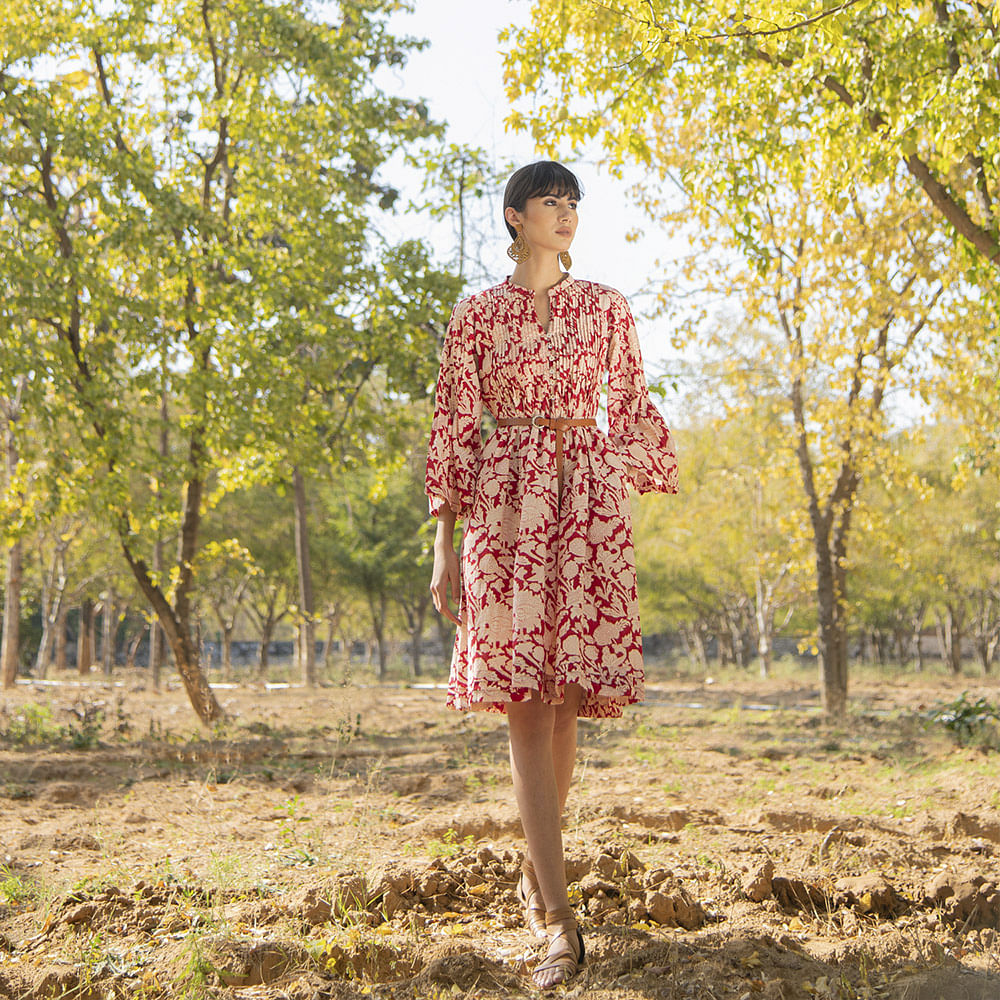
pixel 564 965
pixel 530 898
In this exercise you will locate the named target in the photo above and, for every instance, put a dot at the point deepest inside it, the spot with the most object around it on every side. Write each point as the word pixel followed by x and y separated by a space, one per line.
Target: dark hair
pixel 535 179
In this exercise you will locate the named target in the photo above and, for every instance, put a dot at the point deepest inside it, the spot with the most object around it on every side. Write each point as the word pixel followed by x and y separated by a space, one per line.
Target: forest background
pixel 217 356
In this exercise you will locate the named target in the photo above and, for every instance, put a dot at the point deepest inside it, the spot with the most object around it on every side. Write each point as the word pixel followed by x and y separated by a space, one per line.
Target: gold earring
pixel 519 251
pixel 565 259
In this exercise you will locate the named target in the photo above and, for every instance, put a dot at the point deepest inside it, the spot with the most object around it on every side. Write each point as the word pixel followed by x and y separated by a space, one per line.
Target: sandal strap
pixel 567 961
pixel 564 915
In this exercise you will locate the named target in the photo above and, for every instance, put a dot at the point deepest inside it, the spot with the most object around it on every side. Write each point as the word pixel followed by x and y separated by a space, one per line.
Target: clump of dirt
pixel 248 962
pixel 973 901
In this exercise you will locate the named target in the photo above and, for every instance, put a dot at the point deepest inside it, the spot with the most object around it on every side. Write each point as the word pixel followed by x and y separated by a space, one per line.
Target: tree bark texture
pixel 85 638
pixel 60 640
pixel 10 644
pixel 307 625
pixel 108 630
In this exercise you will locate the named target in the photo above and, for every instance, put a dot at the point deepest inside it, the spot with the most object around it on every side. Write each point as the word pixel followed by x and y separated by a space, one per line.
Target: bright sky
pixel 460 75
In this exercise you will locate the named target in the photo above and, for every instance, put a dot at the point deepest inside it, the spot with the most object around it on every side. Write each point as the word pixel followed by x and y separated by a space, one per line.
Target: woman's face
pixel 548 222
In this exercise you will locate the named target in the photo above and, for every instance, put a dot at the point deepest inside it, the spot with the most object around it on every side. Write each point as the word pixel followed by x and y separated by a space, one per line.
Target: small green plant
pixel 13 889
pixel 969 721
pixel 450 844
pixel 31 726
pixel 85 732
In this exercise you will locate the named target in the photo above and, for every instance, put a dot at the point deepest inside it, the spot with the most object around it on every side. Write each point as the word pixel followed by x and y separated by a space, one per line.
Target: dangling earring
pixel 519 251
pixel 565 259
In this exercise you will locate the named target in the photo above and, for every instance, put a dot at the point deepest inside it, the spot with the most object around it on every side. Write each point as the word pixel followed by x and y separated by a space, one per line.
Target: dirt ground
pixel 723 844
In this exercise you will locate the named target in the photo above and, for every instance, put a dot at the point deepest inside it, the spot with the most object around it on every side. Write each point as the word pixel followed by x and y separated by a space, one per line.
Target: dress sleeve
pixel 455 448
pixel 636 431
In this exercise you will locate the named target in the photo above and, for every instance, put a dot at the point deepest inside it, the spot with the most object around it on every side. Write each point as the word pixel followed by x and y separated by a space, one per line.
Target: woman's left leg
pixel 542 750
pixel 563 743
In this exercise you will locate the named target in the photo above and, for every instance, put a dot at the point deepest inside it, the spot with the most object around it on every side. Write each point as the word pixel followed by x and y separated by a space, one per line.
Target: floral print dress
pixel 548 593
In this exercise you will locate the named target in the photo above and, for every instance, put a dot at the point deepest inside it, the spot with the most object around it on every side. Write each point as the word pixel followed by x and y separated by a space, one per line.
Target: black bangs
pixel 548 177
pixel 537 179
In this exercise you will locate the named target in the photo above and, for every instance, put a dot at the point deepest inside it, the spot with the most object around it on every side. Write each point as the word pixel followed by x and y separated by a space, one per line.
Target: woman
pixel 547 607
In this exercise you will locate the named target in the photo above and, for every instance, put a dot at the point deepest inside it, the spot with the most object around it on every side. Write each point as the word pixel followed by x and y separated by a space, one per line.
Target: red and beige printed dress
pixel 548 581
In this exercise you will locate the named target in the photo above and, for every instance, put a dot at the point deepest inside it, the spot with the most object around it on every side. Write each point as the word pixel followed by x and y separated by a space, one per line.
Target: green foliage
pixel 970 721
pixel 34 726
pixel 449 845
pixel 195 295
pixel 14 890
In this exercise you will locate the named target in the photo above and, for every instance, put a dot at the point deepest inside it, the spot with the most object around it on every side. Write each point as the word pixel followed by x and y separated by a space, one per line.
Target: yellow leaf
pixel 78 79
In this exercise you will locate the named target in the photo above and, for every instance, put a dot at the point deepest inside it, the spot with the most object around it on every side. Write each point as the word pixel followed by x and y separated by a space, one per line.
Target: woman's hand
pixel 446 568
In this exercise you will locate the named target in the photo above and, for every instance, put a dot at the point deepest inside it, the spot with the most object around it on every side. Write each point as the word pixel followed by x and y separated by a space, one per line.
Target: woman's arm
pixel 446 567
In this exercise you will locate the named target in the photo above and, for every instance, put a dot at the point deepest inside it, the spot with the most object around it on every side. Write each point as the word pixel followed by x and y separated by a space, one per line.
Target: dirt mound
pixel 973 901
pixel 452 964
pixel 247 962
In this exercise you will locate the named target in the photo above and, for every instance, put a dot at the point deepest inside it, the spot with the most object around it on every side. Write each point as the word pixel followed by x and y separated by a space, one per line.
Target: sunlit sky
pixel 460 75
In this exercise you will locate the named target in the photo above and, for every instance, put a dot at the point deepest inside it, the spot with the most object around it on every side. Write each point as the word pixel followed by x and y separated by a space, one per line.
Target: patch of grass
pixel 15 791
pixel 32 726
pixel 450 845
pixel 15 890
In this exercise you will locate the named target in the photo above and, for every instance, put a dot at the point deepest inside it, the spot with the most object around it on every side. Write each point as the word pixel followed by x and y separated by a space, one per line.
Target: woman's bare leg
pixel 531 726
pixel 542 752
pixel 564 741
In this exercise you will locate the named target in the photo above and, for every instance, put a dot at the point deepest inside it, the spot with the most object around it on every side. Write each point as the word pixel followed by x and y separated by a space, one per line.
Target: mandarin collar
pixel 558 287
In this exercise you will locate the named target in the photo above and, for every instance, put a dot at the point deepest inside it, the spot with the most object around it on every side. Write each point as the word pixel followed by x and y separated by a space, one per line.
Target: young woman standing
pixel 547 611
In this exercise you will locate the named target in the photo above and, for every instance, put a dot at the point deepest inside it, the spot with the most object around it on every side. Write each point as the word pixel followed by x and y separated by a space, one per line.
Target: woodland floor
pixel 723 844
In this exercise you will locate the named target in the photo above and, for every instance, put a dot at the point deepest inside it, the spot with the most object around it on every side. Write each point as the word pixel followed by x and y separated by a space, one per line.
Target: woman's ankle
pixel 561 919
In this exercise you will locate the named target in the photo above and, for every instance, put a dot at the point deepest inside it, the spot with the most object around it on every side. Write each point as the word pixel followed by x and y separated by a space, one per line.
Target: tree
pixel 736 579
pixel 880 85
pixel 11 412
pixel 227 571
pixel 375 538
pixel 839 255
pixel 186 204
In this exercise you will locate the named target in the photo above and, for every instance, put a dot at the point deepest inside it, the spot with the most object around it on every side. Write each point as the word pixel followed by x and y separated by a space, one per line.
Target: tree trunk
pixel 900 644
pixel 85 638
pixel 157 653
pixel 176 621
pixel 416 618
pixel 60 640
pixel 108 630
pixel 832 637
pixel 10 644
pixel 331 631
pixel 950 628
pixel 263 656
pixel 307 609
pixel 227 651
pixel 378 609
pixel 764 619
pixel 918 646
pixel 53 615
pixel 133 648
pixel 157 637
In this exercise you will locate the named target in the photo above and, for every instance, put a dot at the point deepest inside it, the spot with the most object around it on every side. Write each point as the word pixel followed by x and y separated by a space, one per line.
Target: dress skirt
pixel 548 593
